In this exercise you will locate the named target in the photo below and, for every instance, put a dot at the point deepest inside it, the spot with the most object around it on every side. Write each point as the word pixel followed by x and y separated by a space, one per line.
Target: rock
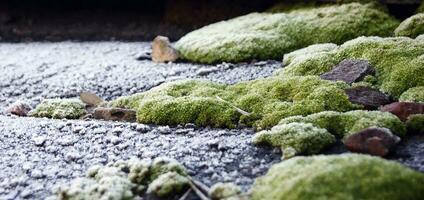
pixel 223 191
pixel 411 27
pixel 349 71
pixel 374 141
pixel 404 109
pixel 369 97
pixel 115 114
pixel 206 70
pixel 162 51
pixel 90 99
pixel 19 108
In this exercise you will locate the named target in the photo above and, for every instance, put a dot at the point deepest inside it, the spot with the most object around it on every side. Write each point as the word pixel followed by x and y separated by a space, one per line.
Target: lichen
pixel 268 36
pixel 398 61
pixel 415 94
pixel 59 109
pixel 224 190
pixel 415 124
pixel 210 104
pixel 168 184
pixel 339 177
pixel 411 27
pixel 296 138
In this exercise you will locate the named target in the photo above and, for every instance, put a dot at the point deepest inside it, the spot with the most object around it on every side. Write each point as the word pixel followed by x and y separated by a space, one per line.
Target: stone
pixel 349 71
pixel 90 99
pixel 404 109
pixel 162 50
pixel 368 97
pixel 19 108
pixel 115 114
pixel 374 141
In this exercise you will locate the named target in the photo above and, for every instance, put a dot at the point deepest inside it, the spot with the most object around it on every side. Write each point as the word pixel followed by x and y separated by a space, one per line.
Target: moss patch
pixel 224 191
pixel 210 104
pixel 59 109
pixel 399 61
pixel 415 124
pixel 168 184
pixel 269 36
pixel 411 27
pixel 415 94
pixel 348 176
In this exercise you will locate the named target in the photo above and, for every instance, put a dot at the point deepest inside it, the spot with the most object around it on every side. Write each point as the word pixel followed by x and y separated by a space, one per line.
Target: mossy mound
pixel 421 8
pixel 415 94
pixel 224 190
pixel 59 109
pixel 168 184
pixel 415 124
pixel 269 36
pixel 210 104
pixel 348 176
pixel 411 27
pixel 399 61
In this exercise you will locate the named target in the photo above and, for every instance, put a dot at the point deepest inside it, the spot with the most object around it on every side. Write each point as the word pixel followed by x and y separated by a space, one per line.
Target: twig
pixel 185 195
pixel 200 185
pixel 235 107
pixel 198 192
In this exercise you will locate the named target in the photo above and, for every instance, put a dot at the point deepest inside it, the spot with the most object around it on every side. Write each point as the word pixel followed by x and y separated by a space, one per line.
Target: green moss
pixel 168 184
pixel 415 94
pixel 411 27
pixel 339 177
pixel 163 165
pixel 421 8
pixel 224 190
pixel 399 61
pixel 296 138
pixel 286 6
pixel 59 109
pixel 268 36
pixel 209 104
pixel 343 124
pixel 415 124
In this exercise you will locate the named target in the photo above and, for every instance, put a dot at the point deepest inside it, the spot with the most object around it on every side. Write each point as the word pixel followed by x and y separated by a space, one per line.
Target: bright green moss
pixel 268 36
pixel 209 104
pixel 399 61
pixel 59 109
pixel 411 27
pixel 415 94
pixel 415 124
pixel 163 165
pixel 339 177
pixel 296 138
pixel 343 124
pixel 224 190
pixel 168 185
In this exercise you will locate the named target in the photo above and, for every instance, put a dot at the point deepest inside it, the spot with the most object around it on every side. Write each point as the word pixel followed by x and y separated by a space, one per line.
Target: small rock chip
pixel 374 141
pixel 349 71
pixel 39 141
pixel 19 108
pixel 206 70
pixel 162 51
pixel 369 97
pixel 404 109
pixel 90 99
pixel 115 114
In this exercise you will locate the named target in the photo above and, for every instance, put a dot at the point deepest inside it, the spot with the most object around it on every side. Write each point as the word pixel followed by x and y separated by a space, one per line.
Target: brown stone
pixel 374 141
pixel 19 108
pixel 404 109
pixel 115 114
pixel 162 50
pixel 369 97
pixel 349 71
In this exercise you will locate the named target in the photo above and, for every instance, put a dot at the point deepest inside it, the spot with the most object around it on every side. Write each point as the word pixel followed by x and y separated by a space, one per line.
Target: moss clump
pixel 343 124
pixel 224 191
pixel 296 138
pixel 286 6
pixel 163 165
pixel 398 61
pixel 209 104
pixel 170 183
pixel 415 124
pixel 347 176
pixel 411 27
pixel 415 94
pixel 269 36
pixel 421 8
pixel 59 109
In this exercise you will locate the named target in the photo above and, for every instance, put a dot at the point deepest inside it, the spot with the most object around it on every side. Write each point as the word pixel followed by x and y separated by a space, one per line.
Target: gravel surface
pixel 38 154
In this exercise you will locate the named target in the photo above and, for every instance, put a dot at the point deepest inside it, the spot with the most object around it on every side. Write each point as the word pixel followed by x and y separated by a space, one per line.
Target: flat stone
pixel 115 114
pixel 19 108
pixel 404 109
pixel 374 141
pixel 162 50
pixel 349 71
pixel 369 97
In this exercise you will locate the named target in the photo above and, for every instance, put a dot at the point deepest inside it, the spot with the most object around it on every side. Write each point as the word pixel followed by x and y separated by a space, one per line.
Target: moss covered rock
pixel 415 124
pixel 415 94
pixel 168 184
pixel 348 176
pixel 224 190
pixel 210 104
pixel 59 109
pixel 411 27
pixel 296 138
pixel 398 61
pixel 269 36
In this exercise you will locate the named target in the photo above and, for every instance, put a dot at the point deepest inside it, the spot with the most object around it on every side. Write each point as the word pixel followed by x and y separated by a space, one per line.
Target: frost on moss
pixel 210 104
pixel 59 109
pixel 415 94
pixel 296 138
pixel 170 183
pixel 224 191
pixel 339 177
pixel 269 36
pixel 399 61
pixel 415 124
pixel 411 27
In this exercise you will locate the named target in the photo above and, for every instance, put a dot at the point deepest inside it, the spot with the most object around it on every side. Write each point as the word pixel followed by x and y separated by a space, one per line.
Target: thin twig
pixel 198 192
pixel 185 195
pixel 235 107
pixel 200 185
